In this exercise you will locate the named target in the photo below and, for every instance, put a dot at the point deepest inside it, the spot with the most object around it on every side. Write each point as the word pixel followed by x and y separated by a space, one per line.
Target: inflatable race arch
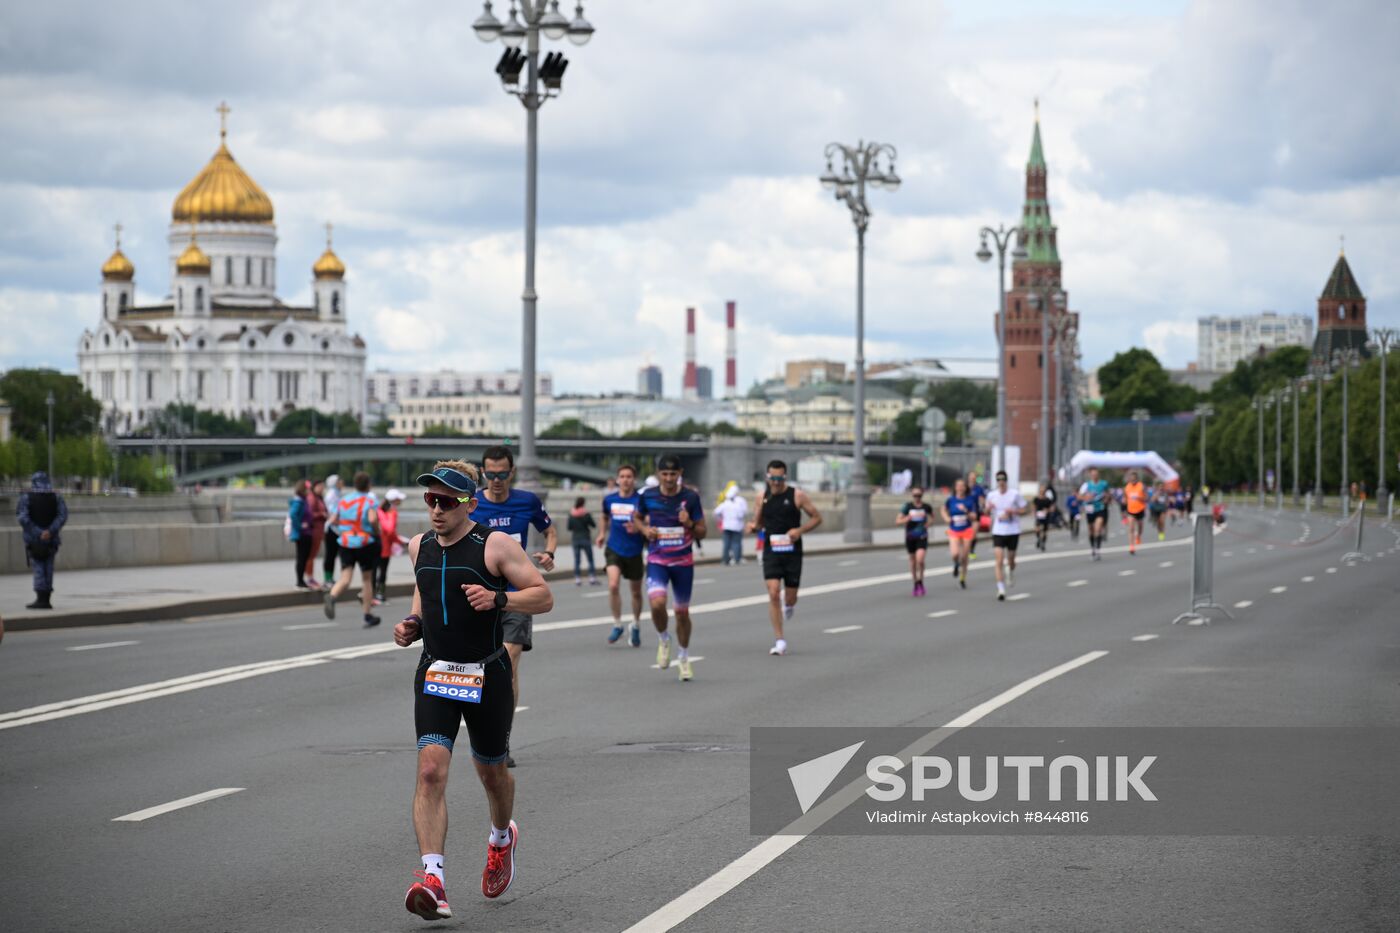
pixel 1124 460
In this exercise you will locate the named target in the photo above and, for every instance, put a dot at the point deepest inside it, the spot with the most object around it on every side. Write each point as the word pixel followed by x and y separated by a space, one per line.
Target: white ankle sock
pixel 682 653
pixel 499 837
pixel 432 864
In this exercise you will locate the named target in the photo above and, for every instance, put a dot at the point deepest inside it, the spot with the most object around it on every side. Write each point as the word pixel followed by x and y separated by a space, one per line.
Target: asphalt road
pixel 633 787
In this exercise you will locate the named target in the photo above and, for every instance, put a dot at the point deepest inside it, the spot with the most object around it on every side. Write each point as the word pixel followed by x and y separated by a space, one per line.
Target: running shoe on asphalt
pixel 634 635
pixel 922 590
pixel 615 634
pixel 427 898
pixel 686 672
pixel 371 621
pixel 663 653
pixel 500 865
pixel 916 590
pixel 328 605
pixel 962 580
pixel 955 571
pixel 779 647
pixel 1001 596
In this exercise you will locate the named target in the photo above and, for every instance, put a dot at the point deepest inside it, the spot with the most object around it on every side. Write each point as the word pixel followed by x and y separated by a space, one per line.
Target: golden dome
pixel 329 265
pixel 222 191
pixel 192 261
pixel 118 268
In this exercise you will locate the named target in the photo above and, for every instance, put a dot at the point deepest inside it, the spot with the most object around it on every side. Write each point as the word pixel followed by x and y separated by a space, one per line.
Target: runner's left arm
pixel 506 558
pixel 407 632
pixel 698 527
pixel 814 517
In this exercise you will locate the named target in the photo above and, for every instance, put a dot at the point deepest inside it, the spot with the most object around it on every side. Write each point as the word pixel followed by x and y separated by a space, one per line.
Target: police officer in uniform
pixel 42 514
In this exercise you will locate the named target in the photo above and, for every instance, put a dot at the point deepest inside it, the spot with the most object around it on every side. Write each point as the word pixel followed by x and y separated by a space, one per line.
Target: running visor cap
pixel 452 479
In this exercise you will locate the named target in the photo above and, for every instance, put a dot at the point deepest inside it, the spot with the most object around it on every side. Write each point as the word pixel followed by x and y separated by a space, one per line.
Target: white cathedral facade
pixel 222 340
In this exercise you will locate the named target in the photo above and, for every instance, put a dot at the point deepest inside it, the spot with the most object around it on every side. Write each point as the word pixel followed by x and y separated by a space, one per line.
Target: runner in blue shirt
pixel 977 493
pixel 960 512
pixel 622 552
pixel 671 518
pixel 513 511
pixel 1094 495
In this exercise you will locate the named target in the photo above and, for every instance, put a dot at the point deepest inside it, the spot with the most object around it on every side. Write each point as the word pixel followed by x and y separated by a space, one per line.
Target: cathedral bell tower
pixel 118 283
pixel 328 285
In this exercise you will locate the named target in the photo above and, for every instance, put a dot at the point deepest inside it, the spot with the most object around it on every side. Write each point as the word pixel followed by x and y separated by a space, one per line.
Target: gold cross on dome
pixel 118 228
pixel 223 111
pixel 328 234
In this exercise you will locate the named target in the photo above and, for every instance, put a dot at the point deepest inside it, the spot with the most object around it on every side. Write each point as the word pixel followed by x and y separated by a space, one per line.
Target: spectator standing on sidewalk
pixel 581 525
pixel 390 541
pixel 299 531
pixel 732 514
pixel 316 510
pixel 42 514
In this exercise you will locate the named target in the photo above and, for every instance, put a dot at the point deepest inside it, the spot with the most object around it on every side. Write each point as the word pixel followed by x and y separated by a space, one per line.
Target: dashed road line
pixel 1244 604
pixel 1167 563
pixel 1144 637
pixel 1279 589
pixel 521 709
pixel 1331 569
pixel 840 629
pixel 1074 583
pixel 675 661
pixel 943 613
pixel 180 804
pixel 298 628
pixel 1127 573
pixel 1017 597
pixel 1308 579
pixel 105 644
pixel 847 563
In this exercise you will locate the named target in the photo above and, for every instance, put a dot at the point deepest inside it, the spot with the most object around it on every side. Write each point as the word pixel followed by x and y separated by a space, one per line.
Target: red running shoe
pixel 427 898
pixel 500 865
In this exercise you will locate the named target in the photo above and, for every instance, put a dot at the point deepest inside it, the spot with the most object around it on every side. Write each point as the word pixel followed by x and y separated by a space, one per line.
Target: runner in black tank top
pixel 779 513
pixel 465 580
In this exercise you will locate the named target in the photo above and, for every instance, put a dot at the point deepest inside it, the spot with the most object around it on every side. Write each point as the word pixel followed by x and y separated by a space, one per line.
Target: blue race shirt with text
pixel 619 509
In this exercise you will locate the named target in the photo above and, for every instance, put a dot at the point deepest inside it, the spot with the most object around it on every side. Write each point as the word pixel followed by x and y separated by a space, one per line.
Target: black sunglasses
pixel 437 500
pixel 496 474
pixel 777 477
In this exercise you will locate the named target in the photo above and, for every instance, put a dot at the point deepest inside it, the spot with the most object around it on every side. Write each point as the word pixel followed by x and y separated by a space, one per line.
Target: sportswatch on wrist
pixel 500 599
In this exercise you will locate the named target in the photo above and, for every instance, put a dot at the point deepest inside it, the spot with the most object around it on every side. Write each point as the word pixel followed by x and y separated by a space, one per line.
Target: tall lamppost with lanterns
pixel 1203 412
pixel 1296 384
pixel 1259 404
pixel 1001 238
pixel 1318 376
pixel 527 21
pixel 1346 359
pixel 1050 301
pixel 1382 338
pixel 1280 396
pixel 1140 417
pixel 860 166
pixel 1064 331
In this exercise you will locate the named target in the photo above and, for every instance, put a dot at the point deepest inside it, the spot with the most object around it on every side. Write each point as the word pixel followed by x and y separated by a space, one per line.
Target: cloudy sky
pixel 1204 158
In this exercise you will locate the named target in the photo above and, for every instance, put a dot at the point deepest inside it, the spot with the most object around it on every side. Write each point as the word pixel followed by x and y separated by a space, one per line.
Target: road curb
pixel 280 599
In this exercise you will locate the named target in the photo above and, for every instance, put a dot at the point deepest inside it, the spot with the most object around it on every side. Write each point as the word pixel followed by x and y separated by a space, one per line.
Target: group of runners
pixel 477 592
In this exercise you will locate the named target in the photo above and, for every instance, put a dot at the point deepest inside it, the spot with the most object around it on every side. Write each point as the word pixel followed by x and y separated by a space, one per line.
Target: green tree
pixel 75 411
pixel 1136 380
pixel 571 429
pixel 299 423
pixel 1123 365
pixel 438 429
pixel 958 395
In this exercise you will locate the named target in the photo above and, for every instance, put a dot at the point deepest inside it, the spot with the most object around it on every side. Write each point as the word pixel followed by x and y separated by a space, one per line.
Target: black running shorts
pixel 633 568
pixel 786 567
pixel 1009 542
pixel 438 719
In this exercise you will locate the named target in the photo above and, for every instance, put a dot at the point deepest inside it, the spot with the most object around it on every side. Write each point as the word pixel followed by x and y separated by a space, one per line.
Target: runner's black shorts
pixel 786 567
pixel 1006 541
pixel 437 719
pixel 633 568
pixel 916 544
pixel 367 557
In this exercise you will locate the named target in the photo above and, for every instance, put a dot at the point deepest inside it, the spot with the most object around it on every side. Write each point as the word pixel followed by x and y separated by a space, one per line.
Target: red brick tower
pixel 1038 274
pixel 1341 314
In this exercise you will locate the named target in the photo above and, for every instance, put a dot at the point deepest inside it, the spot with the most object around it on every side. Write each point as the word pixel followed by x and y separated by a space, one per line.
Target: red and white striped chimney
pixel 731 368
pixel 691 388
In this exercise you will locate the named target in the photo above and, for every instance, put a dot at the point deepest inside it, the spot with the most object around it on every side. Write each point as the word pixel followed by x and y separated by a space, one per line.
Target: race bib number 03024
pixel 454 681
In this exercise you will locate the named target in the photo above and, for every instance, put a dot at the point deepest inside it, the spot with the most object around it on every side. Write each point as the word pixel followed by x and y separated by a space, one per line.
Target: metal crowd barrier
pixel 1202 574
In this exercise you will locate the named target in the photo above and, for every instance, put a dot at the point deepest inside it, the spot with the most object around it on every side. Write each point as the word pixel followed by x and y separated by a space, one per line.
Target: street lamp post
pixel 1319 378
pixel 1381 340
pixel 1090 420
pixel 1297 386
pixel 513 33
pixel 1259 404
pixel 1141 416
pixel 1001 237
pixel 1280 396
pixel 1345 359
pixel 1203 412
pixel 48 400
pixel 860 166
pixel 1042 300
pixel 1065 333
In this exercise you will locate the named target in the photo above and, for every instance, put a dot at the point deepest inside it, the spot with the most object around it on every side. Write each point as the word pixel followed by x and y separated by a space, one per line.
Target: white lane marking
pixel 843 628
pixel 1309 579
pixel 105 644
pixel 1143 637
pixel 671 915
pixel 1167 563
pixel 521 709
pixel 595 595
pixel 847 563
pixel 1269 547
pixel 1279 589
pixel 1127 573
pixel 1250 550
pixel 180 804
pixel 1196 622
pixel 943 613
pixel 706 580
pixel 1244 604
pixel 1331 569
pixel 1017 597
pixel 1227 554
pixel 675 661
pixel 1077 583
pixel 298 628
